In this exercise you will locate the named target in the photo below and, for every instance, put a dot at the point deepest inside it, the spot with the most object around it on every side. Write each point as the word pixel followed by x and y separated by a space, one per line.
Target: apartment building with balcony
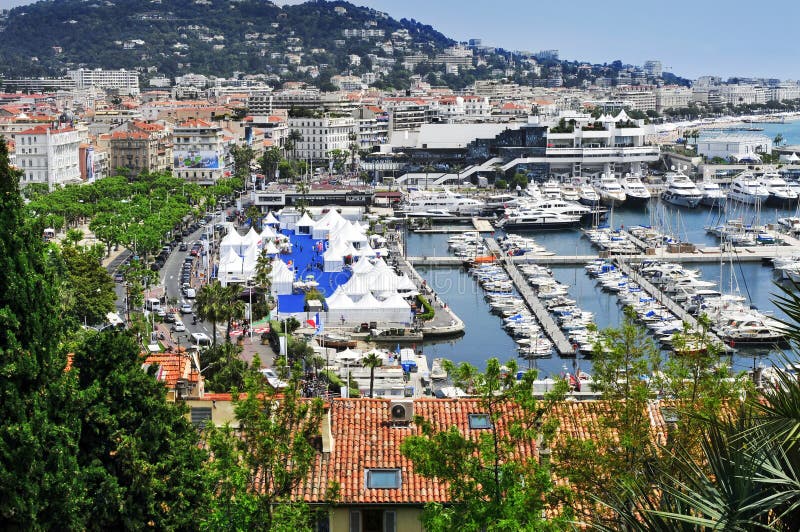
pixel 48 154
pixel 321 135
pixel 199 152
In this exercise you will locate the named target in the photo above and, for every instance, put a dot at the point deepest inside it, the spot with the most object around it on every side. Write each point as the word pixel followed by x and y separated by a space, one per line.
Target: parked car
pixel 272 378
pixel 183 246
pixel 170 317
pixel 118 277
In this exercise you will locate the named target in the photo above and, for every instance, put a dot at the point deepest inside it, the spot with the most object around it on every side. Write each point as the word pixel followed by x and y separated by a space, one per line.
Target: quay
pixel 654 292
pixel 482 225
pixel 704 255
pixel 555 334
pixel 445 322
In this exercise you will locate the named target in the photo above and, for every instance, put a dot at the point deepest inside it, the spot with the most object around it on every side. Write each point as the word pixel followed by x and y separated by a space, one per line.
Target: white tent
pixel 362 266
pixel 326 226
pixel 339 301
pixel 237 268
pixel 333 259
pixel 353 235
pixel 282 278
pixel 356 286
pixel 270 220
pixel 405 284
pixel 268 232
pixel 304 225
pixel 232 240
pixel 252 238
pixel 395 309
pixel 348 356
pixel 271 248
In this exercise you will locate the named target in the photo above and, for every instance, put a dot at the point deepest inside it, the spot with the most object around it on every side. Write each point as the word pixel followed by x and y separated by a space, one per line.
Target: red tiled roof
pixel 42 129
pixel 195 123
pixel 364 438
pixel 147 126
pixel 173 366
pixel 129 135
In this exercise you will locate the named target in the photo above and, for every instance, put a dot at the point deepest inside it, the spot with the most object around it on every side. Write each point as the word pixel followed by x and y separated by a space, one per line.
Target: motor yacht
pixel 747 188
pixel 636 192
pixel 681 191
pixel 570 193
pixel 422 202
pixel 537 219
pixel 713 195
pixel 588 195
pixel 780 195
pixel 551 189
pixel 610 191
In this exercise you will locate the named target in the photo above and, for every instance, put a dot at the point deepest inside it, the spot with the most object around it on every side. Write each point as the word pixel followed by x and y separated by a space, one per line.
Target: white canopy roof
pixel 281 272
pixel 268 232
pixel 362 267
pixel 270 219
pixel 305 221
pixel 270 248
pixel 339 301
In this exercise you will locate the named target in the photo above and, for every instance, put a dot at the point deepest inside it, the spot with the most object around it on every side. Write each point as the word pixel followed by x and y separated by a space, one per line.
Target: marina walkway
pixel 555 334
pixel 445 322
pixel 677 310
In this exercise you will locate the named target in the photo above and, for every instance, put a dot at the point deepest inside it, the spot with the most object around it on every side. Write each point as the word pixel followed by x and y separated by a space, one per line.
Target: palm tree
pixel 209 306
pixel 778 140
pixel 372 361
pixel 232 307
pixel 294 137
pixel 353 138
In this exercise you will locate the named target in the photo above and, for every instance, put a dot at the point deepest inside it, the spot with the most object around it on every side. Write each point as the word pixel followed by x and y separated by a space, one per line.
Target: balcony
pixel 619 154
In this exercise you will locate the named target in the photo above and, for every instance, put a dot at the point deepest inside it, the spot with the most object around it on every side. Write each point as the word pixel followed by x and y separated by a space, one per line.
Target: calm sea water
pixel 485 338
pixel 789 130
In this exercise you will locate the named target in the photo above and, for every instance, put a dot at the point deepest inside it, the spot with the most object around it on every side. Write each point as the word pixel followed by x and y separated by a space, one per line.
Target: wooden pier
pixel 656 293
pixel 555 334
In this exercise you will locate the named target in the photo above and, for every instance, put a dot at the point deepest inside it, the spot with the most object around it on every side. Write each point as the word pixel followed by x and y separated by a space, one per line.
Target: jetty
pixel 547 322
pixel 656 293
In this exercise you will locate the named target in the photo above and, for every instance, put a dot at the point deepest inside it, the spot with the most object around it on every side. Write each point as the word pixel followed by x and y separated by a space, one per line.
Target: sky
pixel 691 39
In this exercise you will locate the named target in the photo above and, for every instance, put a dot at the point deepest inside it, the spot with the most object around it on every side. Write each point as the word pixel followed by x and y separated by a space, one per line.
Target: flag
pixel 319 324
pixel 311 323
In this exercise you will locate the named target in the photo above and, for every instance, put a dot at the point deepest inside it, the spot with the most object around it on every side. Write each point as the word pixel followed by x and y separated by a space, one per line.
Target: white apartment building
pixel 199 152
pixel 653 68
pixel 347 83
pixel 49 155
pixel 321 135
pixel 464 108
pixel 125 81
pixel 785 91
pixel 640 100
pixel 742 94
pixel 672 98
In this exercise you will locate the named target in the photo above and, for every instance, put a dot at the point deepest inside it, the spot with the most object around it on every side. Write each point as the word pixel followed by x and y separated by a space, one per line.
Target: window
pixel 200 414
pixel 373 520
pixel 480 421
pixel 383 478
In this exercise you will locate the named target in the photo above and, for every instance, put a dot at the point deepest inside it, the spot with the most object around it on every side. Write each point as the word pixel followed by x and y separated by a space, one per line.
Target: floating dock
pixel 555 334
pixel 656 293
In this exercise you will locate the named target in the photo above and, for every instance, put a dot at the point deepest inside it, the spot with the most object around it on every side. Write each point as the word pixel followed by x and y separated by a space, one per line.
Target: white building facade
pixel 199 152
pixel 48 155
pixel 322 135
pixel 125 81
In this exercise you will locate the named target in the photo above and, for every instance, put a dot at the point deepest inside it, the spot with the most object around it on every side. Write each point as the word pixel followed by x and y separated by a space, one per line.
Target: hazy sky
pixel 690 38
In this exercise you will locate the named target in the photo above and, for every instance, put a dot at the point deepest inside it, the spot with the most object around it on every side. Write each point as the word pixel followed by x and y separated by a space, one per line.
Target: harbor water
pixel 484 337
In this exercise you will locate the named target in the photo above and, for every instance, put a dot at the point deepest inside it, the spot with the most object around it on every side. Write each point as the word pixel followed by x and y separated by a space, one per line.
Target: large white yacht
pixel 537 219
pixel 780 194
pixel 420 202
pixel 681 191
pixel 610 191
pixel 635 190
pixel 747 188
pixel 713 195
pixel 588 195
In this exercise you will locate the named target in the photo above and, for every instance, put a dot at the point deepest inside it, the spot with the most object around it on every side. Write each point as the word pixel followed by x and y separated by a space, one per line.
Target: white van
pixel 201 340
pixel 152 304
pixel 191 293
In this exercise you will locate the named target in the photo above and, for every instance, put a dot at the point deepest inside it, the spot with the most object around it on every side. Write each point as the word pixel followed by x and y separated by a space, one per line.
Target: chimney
pixel 327 433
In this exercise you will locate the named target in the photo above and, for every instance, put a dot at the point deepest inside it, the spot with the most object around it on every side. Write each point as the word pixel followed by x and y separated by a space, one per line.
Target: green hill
pixel 216 37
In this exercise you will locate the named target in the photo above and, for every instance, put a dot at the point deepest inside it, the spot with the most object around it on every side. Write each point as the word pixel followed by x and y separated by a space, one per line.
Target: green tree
pixel 490 486
pixel 242 157
pixel 623 448
pixel 352 139
pixel 140 457
pixel 269 162
pixel 256 469
pixel 372 361
pixel 209 306
pixel 39 481
pixel 91 288
pixel 224 368
pixel 294 138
